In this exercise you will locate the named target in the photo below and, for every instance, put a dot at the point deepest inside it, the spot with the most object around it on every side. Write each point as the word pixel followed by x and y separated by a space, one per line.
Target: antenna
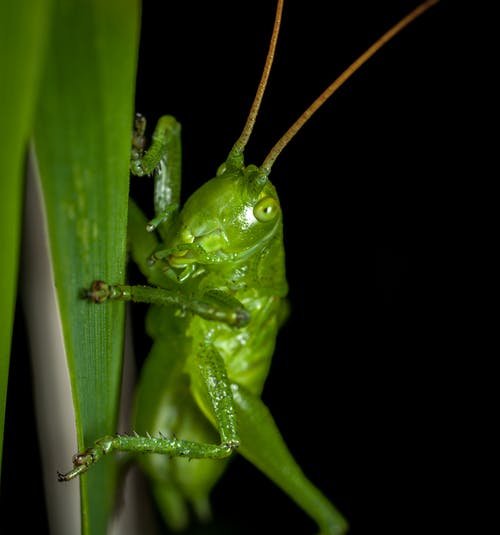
pixel 265 168
pixel 240 144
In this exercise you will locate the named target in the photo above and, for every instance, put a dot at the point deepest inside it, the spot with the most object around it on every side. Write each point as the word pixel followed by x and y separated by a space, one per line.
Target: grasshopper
pixel 216 282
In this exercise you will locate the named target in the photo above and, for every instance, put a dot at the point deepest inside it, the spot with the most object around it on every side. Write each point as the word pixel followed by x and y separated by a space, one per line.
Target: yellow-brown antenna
pixel 240 144
pixel 332 88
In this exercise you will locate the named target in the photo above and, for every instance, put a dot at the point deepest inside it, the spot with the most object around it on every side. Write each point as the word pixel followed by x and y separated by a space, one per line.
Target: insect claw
pixel 138 142
pixel 98 292
pixel 140 123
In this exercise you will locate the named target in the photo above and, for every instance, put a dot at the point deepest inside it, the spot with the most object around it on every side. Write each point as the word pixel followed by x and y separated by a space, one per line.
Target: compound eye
pixel 266 210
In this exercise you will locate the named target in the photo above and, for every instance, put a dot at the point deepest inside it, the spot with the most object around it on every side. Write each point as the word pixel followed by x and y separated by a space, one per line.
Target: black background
pixel 365 193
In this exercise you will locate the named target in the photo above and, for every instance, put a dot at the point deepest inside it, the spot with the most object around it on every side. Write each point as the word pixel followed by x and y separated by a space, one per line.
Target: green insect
pixel 216 269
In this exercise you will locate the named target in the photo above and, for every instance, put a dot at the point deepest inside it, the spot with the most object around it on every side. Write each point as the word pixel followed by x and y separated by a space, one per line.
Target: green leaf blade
pixel 82 142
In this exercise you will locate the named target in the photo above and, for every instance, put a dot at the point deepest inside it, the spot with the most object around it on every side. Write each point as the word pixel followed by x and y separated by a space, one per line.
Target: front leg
pixel 163 161
pixel 214 305
pixel 209 374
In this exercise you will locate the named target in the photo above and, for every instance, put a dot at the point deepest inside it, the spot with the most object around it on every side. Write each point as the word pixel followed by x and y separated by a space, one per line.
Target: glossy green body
pixel 248 265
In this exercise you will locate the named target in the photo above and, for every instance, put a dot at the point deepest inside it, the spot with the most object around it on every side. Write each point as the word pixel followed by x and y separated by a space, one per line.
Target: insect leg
pixel 163 161
pixel 263 445
pixel 213 305
pixel 213 387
